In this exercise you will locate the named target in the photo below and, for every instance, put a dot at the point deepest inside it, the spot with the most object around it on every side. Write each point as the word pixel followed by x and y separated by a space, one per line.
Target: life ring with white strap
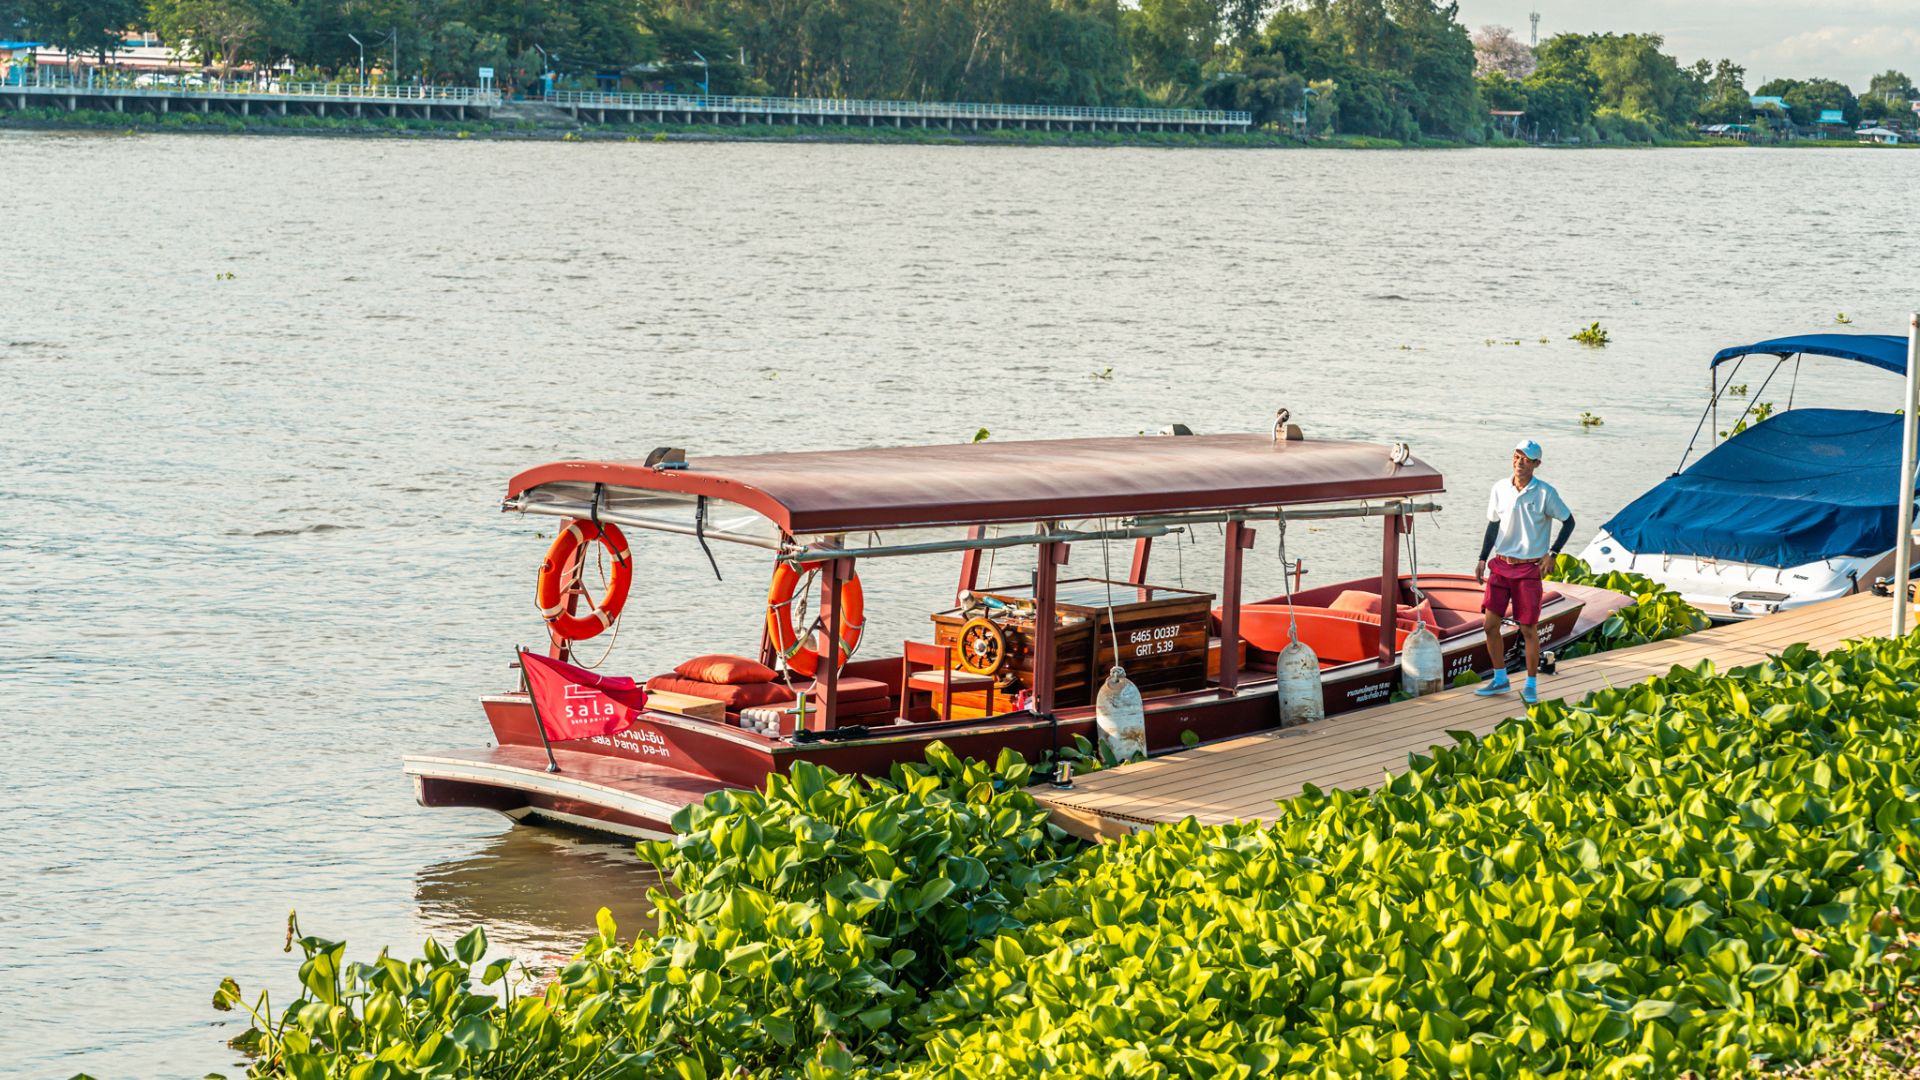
pixel 800 652
pixel 562 569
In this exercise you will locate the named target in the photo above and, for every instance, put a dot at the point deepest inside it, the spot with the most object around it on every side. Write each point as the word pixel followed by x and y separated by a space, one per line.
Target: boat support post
pixel 1903 550
pixel 835 572
pixel 1239 539
pixel 1045 592
pixel 1142 552
pixel 1389 584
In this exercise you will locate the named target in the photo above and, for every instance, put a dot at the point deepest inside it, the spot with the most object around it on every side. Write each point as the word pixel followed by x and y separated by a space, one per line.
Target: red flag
pixel 574 703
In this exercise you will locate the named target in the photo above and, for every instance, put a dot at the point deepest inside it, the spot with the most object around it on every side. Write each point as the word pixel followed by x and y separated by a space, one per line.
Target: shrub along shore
pixel 1708 872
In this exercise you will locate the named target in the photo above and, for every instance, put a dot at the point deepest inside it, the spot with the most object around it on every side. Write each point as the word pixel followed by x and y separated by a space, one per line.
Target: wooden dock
pixel 1241 779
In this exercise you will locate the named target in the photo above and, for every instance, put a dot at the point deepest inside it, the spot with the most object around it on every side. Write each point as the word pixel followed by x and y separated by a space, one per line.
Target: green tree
pixel 679 42
pixel 226 33
pixel 1080 57
pixel 1628 76
pixel 1891 82
pixel 1724 98
pixel 81 27
pixel 1172 40
pixel 606 37
pixel 1557 106
pixel 1808 98
pixel 1503 93
pixel 1260 85
pixel 1438 66
pixel 455 52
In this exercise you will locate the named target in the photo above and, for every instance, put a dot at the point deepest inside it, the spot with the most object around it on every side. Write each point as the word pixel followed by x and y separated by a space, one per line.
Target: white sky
pixel 1848 40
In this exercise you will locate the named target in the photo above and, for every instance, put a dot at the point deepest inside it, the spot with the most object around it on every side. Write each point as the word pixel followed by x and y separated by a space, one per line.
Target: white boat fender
pixel 1422 668
pixel 1302 699
pixel 1121 717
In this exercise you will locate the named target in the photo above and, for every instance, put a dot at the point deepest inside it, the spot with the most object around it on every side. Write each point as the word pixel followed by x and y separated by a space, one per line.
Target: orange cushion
pixel 1366 603
pixel 1354 600
pixel 727 670
pixel 735 696
pixel 851 689
pixel 850 710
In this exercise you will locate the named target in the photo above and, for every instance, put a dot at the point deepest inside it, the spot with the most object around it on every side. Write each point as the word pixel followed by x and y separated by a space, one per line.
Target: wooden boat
pixel 1005 667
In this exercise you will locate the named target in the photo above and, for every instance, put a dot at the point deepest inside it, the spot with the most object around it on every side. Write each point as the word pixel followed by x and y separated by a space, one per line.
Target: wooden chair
pixel 929 669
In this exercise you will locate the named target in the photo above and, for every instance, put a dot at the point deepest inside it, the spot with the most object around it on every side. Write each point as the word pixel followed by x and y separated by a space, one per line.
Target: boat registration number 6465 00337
pixel 1154 640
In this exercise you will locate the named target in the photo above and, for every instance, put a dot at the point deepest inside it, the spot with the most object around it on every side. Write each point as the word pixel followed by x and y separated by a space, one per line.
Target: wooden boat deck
pixel 1241 779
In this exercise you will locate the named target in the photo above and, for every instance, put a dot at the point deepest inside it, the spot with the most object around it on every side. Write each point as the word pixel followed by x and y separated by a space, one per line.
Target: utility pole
pixel 1534 39
pixel 363 59
pixel 705 89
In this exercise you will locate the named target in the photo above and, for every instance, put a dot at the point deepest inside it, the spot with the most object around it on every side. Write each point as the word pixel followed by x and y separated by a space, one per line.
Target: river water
pixel 259 399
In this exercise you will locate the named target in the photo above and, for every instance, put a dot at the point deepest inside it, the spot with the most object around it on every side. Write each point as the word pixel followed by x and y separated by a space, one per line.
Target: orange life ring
pixel 800 652
pixel 558 572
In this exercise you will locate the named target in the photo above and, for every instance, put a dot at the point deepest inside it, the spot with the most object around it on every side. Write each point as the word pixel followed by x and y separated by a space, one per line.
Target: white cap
pixel 1529 448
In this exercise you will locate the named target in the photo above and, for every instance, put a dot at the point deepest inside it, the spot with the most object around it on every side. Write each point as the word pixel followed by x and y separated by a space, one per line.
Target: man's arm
pixel 1566 530
pixel 1486 549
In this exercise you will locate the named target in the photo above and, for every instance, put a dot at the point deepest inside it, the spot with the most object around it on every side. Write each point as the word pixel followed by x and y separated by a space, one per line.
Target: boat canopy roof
pixel 1797 487
pixel 833 491
pixel 1884 351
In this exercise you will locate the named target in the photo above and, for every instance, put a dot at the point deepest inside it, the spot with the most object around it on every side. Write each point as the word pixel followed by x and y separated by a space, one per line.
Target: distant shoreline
pixel 523 131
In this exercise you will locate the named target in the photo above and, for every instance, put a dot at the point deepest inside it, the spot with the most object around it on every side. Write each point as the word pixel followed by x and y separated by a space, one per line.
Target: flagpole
pixel 538 724
pixel 1903 514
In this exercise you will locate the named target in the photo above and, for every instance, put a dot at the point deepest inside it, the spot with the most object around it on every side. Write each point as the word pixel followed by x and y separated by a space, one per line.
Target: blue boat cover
pixel 1881 350
pixel 1797 487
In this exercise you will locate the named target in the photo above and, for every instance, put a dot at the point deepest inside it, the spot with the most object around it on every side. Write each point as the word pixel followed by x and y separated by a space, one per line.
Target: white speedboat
pixel 1796 508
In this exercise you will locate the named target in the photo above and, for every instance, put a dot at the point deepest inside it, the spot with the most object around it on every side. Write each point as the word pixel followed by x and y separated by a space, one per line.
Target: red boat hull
pixel 632 782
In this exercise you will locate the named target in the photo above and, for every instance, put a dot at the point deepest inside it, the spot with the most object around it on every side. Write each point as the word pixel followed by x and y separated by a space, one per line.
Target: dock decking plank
pixel 1243 778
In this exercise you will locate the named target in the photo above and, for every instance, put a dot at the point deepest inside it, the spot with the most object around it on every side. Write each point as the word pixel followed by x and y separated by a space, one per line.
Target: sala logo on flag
pixel 583 703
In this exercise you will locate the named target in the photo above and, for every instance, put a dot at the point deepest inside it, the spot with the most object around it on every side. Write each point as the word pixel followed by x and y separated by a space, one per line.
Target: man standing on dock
pixel 1517 517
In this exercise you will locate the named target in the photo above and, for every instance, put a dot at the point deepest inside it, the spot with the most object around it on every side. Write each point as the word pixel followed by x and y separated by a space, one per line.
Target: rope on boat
pixel 600 565
pixel 1106 575
pixel 1413 561
pixel 1293 624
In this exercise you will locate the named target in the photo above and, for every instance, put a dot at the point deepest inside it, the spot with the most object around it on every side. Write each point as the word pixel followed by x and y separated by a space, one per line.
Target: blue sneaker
pixel 1530 693
pixel 1499 685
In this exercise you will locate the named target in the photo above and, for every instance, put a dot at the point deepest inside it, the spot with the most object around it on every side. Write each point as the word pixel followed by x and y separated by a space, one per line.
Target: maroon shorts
pixel 1512 584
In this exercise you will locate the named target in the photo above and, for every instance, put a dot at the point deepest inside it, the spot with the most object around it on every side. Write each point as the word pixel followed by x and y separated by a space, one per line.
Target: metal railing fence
pixel 128 83
pixel 938 110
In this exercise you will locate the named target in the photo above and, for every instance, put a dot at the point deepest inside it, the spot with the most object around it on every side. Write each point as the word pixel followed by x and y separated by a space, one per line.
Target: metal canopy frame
pixel 813 547
pixel 688 512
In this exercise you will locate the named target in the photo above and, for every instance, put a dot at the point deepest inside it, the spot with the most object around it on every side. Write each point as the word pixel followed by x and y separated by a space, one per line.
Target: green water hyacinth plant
pixel 801 925
pixel 1658 613
pixel 1701 873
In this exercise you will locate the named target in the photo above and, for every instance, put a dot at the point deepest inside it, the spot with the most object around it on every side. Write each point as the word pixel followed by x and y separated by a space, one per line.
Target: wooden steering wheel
pixel 983 646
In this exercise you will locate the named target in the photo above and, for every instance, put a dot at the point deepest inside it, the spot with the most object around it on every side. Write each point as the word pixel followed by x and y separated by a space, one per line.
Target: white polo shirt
pixel 1525 516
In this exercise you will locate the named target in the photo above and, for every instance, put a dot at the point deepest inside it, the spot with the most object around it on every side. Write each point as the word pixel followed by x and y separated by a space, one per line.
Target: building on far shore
pixel 13 57
pixel 137 52
pixel 1878 135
